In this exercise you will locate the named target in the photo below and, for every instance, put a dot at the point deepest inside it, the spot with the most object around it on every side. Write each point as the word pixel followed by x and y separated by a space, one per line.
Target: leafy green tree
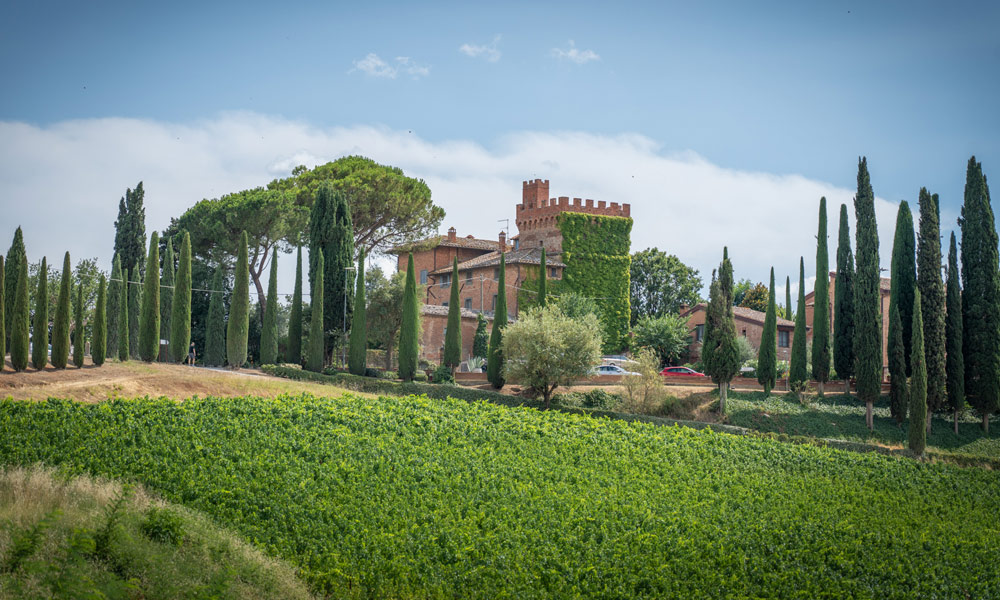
pixel 821 306
pixel 954 361
pixel 903 275
pixel 60 324
pixel 239 310
pixel 123 317
pixel 740 290
pixel 269 331
pixel 577 306
pixel 180 318
pixel 409 333
pixel 867 296
pixel 495 360
pixel 917 439
pixel 79 331
pixel 767 356
pixel 3 317
pixel 40 326
pixel 932 294
pixel 788 299
pixel 330 230
pixel 317 347
pixel 99 341
pixel 134 310
pixel 130 230
pixel 755 298
pixel 481 341
pixel 798 372
pixel 19 339
pixel 149 330
pixel 12 270
pixel 843 305
pixel 980 294
pixel 660 284
pixel 720 350
pixel 899 396
pixel 543 288
pixel 544 349
pixel 215 329
pixel 114 310
pixel 167 289
pixel 385 299
pixel 453 335
pixel 295 319
pixel 667 335
pixel 358 351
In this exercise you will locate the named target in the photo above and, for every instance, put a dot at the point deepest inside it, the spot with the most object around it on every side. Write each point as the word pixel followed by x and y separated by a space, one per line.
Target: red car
pixel 682 372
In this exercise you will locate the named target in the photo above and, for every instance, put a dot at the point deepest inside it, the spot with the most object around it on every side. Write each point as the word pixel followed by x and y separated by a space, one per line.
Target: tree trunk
pixel 547 394
pixel 847 386
pixel 956 422
pixel 723 391
pixel 819 388
pixel 388 359
pixel 986 423
pixel 869 420
pixel 929 422
pixel 261 300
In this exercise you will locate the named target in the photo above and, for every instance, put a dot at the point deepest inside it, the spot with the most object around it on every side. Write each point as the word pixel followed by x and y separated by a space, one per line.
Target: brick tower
pixel 537 215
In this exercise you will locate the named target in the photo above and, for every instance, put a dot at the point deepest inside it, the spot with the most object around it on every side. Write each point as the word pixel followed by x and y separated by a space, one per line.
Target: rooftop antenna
pixel 506 226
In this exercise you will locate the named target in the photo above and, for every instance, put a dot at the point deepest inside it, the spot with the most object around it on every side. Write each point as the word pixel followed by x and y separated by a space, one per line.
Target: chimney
pixel 451 234
pixel 684 308
pixel 503 241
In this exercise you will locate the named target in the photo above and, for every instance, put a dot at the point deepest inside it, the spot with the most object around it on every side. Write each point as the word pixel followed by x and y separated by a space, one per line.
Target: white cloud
pixel 62 184
pixel 487 51
pixel 374 66
pixel 574 54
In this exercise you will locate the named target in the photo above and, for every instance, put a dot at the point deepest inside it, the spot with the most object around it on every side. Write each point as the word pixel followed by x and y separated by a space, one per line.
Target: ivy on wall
pixel 595 250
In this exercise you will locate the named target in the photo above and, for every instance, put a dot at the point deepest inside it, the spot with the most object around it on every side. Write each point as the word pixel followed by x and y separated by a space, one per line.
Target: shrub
pixel 388 375
pixel 163 525
pixel 420 376
pixel 443 374
pixel 644 392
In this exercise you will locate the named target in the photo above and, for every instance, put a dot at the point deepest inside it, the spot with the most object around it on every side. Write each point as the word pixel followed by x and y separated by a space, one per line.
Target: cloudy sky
pixel 721 123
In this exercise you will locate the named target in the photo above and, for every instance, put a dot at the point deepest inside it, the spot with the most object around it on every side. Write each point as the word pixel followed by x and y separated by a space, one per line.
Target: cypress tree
pixel 767 355
pixel 357 353
pixel 12 275
pixel 295 318
pixel 134 310
pixel 980 291
pixel 722 358
pixel 543 281
pixel 337 266
pixel 130 234
pixel 954 362
pixel 79 337
pixel 60 323
pixel 40 326
pixel 867 297
pixel 494 363
pixel 453 335
pixel 932 309
pixel 114 307
pixel 239 310
pixel 180 309
pixel 123 328
pixel 797 372
pixel 898 394
pixel 3 316
pixel 269 330
pixel 215 327
pixel 821 305
pixel 918 384
pixel 149 332
pixel 903 275
pixel 317 348
pixel 167 292
pixel 409 331
pixel 481 341
pixel 99 340
pixel 788 299
pixel 19 339
pixel 843 305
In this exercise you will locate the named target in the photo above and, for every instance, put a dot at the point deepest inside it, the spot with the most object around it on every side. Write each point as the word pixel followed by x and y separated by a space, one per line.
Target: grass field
pixel 414 498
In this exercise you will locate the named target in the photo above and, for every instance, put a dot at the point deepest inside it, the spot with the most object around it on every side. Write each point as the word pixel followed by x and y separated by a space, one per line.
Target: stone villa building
pixel 749 324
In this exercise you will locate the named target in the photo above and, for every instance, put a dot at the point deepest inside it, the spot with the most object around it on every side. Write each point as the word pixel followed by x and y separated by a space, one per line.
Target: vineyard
pixel 395 498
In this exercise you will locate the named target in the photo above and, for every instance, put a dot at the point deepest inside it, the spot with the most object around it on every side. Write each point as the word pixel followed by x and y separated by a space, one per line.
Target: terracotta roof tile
pixel 524 256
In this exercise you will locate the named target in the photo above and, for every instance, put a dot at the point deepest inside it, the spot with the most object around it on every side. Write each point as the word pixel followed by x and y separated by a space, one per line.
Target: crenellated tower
pixel 537 215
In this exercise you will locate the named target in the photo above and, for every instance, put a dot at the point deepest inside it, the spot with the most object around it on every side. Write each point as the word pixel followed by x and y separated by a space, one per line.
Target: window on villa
pixel 445 303
pixel 782 339
pixel 496 273
pixel 744 333
pixel 699 332
pixel 468 303
pixel 446 280
pixel 494 302
pixel 423 277
pixel 553 272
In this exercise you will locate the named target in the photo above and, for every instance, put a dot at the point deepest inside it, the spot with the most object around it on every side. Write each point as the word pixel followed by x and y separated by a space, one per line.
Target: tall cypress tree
pixel 481 341
pixel 130 231
pixel 843 305
pixel 821 305
pixel 918 384
pixel 903 275
pixel 317 347
pixel 788 299
pixel 60 324
pixel 767 355
pixel 409 330
pixel 899 398
pixel 149 331
pixel 543 287
pixel 180 309
pixel 798 372
pixel 19 338
pixel 357 353
pixel 269 330
pixel 239 310
pixel 114 307
pixel 722 358
pixel 12 275
pixel 79 331
pixel 932 296
pixel 123 316
pixel 453 334
pixel 295 318
pixel 167 291
pixel 494 363
pixel 3 316
pixel 40 325
pixel 99 339
pixel 342 302
pixel 867 296
pixel 215 329
pixel 954 362
pixel 980 291
pixel 134 310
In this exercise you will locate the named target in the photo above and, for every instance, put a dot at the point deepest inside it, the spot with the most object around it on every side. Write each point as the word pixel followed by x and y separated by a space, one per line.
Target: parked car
pixel 682 373
pixel 610 370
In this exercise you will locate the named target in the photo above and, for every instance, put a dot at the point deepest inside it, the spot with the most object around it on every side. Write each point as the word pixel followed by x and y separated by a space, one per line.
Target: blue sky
pixel 766 90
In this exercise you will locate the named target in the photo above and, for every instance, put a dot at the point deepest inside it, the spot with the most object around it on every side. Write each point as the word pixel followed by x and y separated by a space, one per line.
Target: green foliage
pixel 358 351
pixel 99 341
pixel 788 299
pixel 453 332
pixel 443 374
pixel 134 310
pixel 955 365
pixel 317 346
pixel 294 348
pixel 867 294
pixel 269 331
pixel 12 279
pixel 130 230
pixel 40 325
pixel 331 230
pixel 215 333
pixel 385 299
pixel 768 354
pixel 79 329
pixel 667 335
pixel 594 398
pixel 495 371
pixel 660 284
pixel 114 309
pixel 932 294
pixel 797 374
pixel 543 288
pixel 755 298
pixel 843 302
pixel 481 341
pixel 238 326
pixel 167 289
pixel 740 289
pixel 409 332
pixel 123 317
pixel 903 276
pixel 163 525
pixel 899 396
pixel 917 439
pixel 821 302
pixel 720 351
pixel 19 339
pixel 149 320
pixel 3 319
pixel 595 250
pixel 180 318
